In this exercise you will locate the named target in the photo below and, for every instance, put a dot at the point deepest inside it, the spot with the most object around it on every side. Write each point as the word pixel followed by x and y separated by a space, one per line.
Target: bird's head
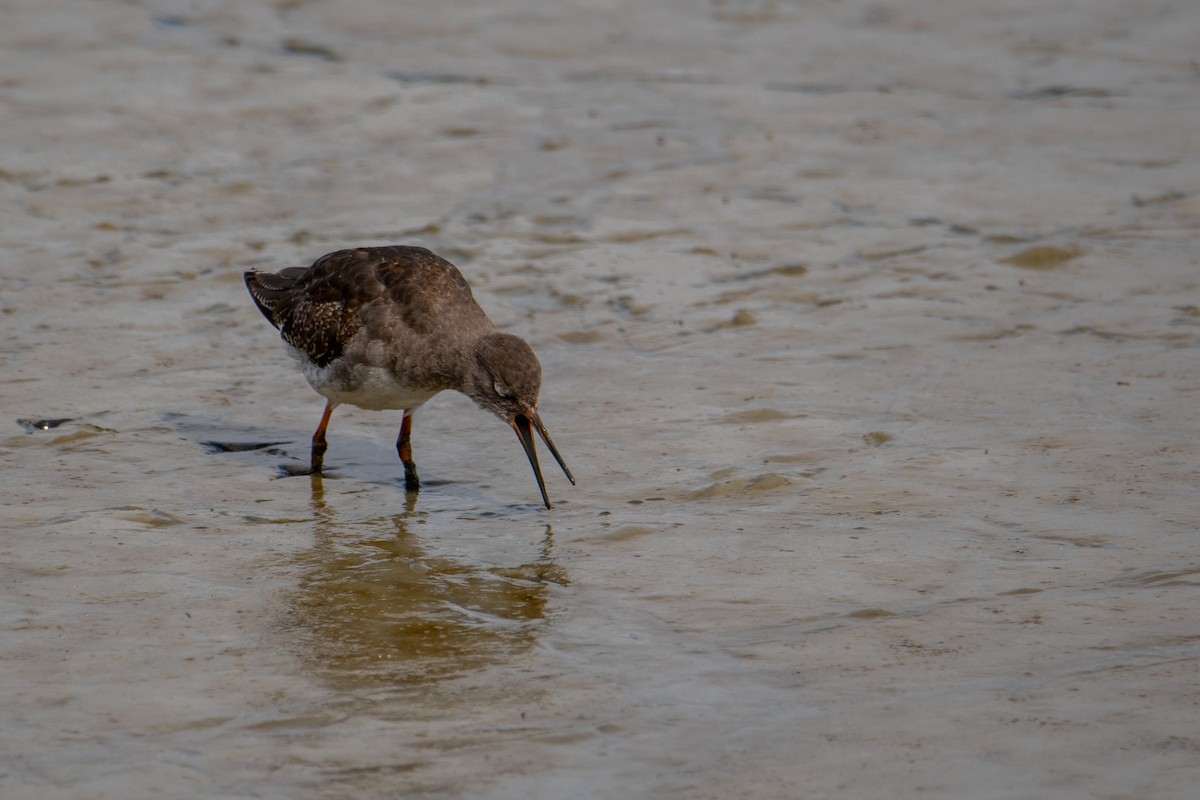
pixel 507 382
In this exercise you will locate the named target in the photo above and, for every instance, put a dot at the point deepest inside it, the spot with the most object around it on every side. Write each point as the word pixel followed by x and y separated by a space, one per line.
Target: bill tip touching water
pixel 390 327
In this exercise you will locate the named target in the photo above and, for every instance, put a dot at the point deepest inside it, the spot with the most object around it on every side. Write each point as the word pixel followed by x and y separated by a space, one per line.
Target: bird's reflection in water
pixel 375 609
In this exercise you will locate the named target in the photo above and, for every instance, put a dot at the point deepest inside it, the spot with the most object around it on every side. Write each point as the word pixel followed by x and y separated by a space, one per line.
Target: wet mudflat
pixel 870 331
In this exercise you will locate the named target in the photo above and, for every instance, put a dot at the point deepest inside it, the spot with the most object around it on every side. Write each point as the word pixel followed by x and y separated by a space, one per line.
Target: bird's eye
pixel 502 389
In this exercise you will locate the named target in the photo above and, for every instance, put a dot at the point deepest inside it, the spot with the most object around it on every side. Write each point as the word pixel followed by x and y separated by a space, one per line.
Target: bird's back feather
pixel 349 293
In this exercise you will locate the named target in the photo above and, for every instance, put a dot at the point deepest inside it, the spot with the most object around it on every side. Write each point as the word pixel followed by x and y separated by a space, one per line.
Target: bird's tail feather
pixel 267 287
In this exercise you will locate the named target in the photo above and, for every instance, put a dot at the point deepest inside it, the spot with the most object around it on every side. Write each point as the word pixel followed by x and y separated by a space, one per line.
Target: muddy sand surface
pixel 869 329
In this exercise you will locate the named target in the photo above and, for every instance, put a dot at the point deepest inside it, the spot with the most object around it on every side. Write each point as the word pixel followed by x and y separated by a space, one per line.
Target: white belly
pixel 366 386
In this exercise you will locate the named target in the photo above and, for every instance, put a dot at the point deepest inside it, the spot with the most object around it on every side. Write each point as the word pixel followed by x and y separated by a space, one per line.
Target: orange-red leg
pixel 319 446
pixel 404 447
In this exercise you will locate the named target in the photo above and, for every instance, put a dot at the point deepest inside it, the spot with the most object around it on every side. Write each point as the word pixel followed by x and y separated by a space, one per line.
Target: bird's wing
pixel 318 313
pixel 368 291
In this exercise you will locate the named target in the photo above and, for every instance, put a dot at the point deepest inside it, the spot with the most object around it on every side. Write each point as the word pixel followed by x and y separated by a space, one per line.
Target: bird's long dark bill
pixel 524 426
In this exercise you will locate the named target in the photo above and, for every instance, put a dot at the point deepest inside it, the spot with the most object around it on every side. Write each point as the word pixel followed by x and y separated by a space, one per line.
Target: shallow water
pixel 869 331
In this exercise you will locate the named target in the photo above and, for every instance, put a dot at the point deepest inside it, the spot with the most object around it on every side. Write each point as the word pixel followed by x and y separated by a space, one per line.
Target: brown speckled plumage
pixel 390 327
